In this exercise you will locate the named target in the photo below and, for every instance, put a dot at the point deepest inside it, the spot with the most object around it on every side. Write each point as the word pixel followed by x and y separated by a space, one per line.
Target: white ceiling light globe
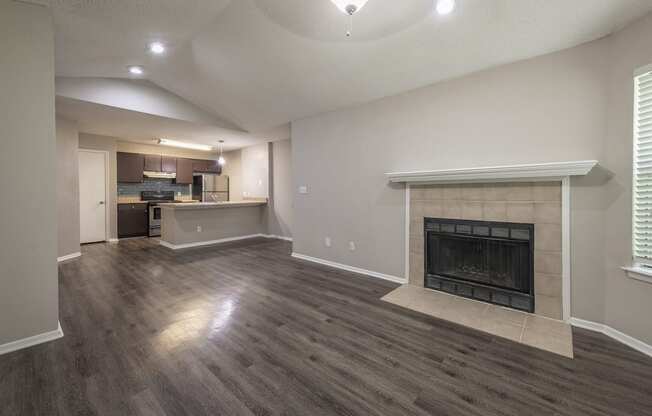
pixel 344 4
pixel 221 161
pixel 156 48
pixel 136 70
pixel 445 6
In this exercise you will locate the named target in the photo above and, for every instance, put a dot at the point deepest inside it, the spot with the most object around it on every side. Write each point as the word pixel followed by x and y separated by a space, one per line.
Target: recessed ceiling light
pixel 136 70
pixel 445 6
pixel 157 48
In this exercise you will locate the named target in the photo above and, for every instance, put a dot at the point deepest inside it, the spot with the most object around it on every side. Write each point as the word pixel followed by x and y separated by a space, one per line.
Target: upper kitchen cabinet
pixel 199 165
pixel 213 167
pixel 184 170
pixel 168 164
pixel 153 163
pixel 130 167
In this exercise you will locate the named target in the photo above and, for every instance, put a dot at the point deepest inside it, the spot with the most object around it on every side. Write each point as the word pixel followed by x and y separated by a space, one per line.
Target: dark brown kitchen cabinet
pixel 132 220
pixel 168 164
pixel 184 170
pixel 199 165
pixel 213 166
pixel 130 167
pixel 153 163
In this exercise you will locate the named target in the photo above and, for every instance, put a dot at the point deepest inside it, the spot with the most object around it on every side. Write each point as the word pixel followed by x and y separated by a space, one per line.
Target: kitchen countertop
pixel 138 201
pixel 212 205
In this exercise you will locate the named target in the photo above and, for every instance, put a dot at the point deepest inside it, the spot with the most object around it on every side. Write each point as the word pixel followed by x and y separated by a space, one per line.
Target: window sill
pixel 643 274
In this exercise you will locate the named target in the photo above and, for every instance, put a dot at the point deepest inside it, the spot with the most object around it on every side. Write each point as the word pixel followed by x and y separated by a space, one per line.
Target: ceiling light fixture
pixel 220 160
pixel 445 6
pixel 136 70
pixel 185 145
pixel 157 48
pixel 350 7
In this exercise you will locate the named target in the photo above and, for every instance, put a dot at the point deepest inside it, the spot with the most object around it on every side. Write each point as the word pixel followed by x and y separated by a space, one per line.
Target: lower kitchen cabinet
pixel 132 220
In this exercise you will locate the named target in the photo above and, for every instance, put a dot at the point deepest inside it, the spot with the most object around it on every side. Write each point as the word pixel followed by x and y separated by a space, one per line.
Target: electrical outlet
pixel 199 228
pixel 327 241
pixel 303 189
pixel 352 245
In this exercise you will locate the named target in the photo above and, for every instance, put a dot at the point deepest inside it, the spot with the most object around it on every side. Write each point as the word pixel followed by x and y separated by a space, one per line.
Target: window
pixel 642 180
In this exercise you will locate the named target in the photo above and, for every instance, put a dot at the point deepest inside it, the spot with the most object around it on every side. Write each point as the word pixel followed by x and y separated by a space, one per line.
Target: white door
pixel 92 194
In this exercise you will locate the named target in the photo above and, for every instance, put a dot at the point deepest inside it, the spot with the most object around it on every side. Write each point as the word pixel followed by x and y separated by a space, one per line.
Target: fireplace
pixel 488 261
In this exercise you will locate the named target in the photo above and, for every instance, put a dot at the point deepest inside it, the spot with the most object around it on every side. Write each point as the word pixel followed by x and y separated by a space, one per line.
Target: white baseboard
pixel 69 257
pixel 278 237
pixel 630 341
pixel 208 243
pixel 31 341
pixel 113 240
pixel 353 269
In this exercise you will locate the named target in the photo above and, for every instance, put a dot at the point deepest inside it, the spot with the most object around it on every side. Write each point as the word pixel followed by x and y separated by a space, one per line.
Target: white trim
pixel 353 269
pixel 638 272
pixel 566 248
pixel 68 257
pixel 278 237
pixel 107 192
pixel 630 341
pixel 31 341
pixel 511 173
pixel 407 232
pixel 208 243
pixel 114 240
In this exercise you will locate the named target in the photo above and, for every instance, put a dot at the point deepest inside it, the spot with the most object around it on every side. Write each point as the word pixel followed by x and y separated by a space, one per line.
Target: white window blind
pixel 642 192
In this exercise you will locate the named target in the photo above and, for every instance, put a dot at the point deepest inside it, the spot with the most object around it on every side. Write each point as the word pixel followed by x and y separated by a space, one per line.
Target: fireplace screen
pixel 489 261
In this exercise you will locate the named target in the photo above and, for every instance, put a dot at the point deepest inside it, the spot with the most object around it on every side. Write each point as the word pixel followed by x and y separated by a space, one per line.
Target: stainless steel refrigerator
pixel 210 188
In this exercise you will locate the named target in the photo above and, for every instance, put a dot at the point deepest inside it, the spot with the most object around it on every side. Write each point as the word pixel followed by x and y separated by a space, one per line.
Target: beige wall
pixel 279 209
pixel 571 105
pixel 67 187
pixel 255 171
pixel 28 241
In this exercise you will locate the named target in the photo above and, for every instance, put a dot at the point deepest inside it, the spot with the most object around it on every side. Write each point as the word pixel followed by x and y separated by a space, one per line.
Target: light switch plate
pixel 303 189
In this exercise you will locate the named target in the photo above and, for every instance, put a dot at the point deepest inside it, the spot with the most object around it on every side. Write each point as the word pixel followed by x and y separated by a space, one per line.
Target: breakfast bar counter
pixel 185 225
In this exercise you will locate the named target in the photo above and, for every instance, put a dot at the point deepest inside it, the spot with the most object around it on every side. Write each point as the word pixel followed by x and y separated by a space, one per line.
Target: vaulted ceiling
pixel 259 64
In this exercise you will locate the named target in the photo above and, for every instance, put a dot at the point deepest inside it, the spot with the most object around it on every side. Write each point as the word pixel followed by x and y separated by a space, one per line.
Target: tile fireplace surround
pixel 537 203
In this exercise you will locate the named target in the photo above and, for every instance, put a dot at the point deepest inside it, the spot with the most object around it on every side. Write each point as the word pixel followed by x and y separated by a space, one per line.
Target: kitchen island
pixel 185 225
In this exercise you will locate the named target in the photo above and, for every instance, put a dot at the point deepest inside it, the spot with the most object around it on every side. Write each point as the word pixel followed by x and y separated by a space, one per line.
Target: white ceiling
pixel 261 63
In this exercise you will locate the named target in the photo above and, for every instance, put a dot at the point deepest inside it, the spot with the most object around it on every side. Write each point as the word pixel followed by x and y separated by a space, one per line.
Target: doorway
pixel 93 188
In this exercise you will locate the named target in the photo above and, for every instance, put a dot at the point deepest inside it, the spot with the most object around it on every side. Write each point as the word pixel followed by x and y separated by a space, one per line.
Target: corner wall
pixel 28 241
pixel 67 187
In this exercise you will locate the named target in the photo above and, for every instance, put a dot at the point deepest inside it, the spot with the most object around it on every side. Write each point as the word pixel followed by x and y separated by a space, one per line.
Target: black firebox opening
pixel 488 261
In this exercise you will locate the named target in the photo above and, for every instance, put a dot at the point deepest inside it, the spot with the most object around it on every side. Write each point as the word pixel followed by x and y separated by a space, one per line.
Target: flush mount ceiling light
pixel 445 6
pixel 136 70
pixel 157 48
pixel 220 160
pixel 185 145
pixel 350 7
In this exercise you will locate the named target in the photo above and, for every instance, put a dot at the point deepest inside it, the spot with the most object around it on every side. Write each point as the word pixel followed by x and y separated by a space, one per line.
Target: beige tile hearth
pixel 536 331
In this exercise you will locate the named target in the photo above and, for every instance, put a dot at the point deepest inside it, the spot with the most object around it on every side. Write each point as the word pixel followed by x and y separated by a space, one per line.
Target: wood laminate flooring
pixel 244 329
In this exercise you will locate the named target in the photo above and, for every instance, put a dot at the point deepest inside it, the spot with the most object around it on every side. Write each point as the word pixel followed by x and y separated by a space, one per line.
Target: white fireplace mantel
pixel 556 171
pixel 510 173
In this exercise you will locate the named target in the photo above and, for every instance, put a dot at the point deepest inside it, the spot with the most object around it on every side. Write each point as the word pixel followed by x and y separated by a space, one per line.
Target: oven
pixel 154 220
pixel 154 198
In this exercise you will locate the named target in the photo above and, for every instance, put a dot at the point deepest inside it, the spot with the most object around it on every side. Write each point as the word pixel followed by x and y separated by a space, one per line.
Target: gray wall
pixel 67 187
pixel 628 301
pixel 571 105
pixel 279 209
pixel 233 168
pixel 28 241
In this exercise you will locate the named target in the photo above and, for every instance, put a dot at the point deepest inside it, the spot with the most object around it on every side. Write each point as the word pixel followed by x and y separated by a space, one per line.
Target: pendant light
pixel 220 160
pixel 350 7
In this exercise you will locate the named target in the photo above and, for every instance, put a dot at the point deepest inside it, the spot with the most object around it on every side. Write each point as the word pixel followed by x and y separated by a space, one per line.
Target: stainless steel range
pixel 154 198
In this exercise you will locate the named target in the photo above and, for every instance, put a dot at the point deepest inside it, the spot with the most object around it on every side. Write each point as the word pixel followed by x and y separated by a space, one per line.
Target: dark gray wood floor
pixel 244 329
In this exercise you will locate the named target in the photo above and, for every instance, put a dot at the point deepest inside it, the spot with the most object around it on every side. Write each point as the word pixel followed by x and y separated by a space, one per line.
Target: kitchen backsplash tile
pixel 152 184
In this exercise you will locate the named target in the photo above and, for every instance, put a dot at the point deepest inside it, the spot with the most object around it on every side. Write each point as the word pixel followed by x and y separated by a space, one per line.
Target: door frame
pixel 107 214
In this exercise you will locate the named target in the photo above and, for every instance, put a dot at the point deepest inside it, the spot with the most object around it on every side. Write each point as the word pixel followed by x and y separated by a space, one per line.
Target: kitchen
pixel 151 180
